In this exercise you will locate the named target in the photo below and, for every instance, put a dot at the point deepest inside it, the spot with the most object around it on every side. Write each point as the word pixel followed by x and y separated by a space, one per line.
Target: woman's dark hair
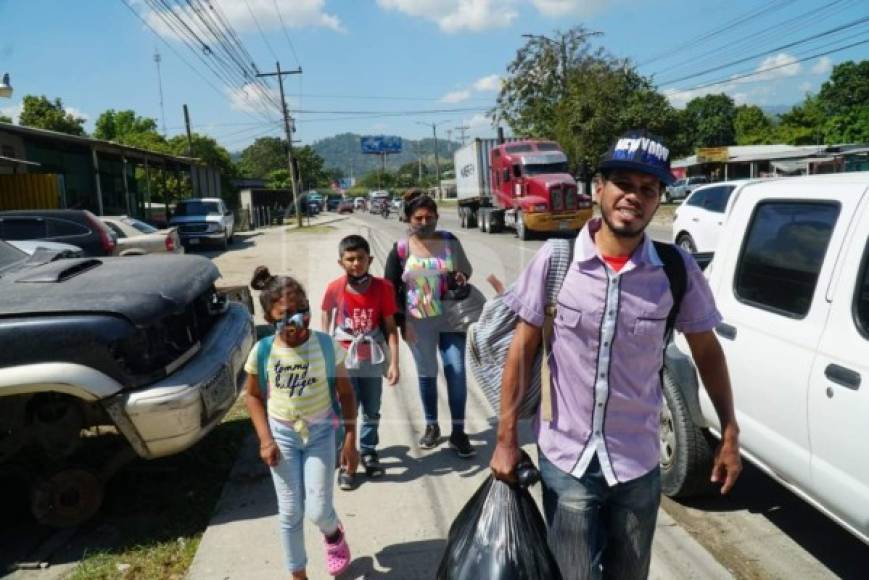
pixel 272 288
pixel 415 199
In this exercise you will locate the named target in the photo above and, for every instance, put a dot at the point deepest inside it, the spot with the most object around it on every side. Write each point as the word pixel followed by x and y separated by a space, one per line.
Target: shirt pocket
pixel 650 324
pixel 567 317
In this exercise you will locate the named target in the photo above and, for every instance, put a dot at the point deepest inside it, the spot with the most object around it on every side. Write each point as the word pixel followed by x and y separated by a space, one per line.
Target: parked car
pixel 698 221
pixel 333 201
pixel 30 247
pixel 396 204
pixel 345 206
pixel 77 227
pixel 204 220
pixel 359 203
pixel 792 283
pixel 136 238
pixel 682 188
pixel 104 360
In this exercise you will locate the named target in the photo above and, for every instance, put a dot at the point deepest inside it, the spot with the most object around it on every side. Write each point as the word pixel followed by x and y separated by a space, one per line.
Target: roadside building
pixel 749 161
pixel 47 169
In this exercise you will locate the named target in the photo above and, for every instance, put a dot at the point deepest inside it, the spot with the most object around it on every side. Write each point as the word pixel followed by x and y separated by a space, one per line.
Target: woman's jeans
pixel 432 336
pixel 367 383
pixel 304 483
pixel 597 531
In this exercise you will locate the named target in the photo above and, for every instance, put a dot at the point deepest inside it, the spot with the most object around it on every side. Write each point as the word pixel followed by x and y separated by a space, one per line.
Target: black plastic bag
pixel 500 534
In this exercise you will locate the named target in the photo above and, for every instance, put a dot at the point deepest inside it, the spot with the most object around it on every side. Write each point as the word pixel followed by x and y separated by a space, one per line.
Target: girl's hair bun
pixel 261 278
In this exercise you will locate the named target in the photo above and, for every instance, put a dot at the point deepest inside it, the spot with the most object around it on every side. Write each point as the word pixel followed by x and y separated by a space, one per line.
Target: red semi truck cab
pixel 525 185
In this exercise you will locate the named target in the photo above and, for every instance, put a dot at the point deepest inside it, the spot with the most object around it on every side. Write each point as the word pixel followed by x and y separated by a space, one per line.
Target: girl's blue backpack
pixel 327 346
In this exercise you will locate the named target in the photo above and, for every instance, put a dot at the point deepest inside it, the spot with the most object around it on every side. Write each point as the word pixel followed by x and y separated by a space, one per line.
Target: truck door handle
pixel 842 376
pixel 725 330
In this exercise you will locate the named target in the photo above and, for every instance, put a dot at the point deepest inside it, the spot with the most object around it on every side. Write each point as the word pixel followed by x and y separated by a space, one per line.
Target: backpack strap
pixel 402 249
pixel 677 274
pixel 559 264
pixel 264 348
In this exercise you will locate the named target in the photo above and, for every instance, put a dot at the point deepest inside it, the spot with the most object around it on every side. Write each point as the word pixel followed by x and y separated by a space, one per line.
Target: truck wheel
pixel 483 220
pixel 472 219
pixel 686 450
pixel 686 242
pixel 521 231
pixel 463 218
pixel 67 498
pixel 224 245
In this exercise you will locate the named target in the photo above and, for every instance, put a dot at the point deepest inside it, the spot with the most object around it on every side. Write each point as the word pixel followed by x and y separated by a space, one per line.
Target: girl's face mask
pixel 422 230
pixel 293 322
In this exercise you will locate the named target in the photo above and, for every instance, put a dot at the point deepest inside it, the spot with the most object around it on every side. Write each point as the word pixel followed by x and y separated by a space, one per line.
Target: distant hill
pixel 345 153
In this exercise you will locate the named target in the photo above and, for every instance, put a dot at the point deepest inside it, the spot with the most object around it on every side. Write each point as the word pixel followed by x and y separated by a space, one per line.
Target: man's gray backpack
pixel 489 339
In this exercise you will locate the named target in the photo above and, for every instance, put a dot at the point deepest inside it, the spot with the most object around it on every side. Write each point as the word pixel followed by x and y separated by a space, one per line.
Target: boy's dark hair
pixel 272 288
pixel 353 243
pixel 416 199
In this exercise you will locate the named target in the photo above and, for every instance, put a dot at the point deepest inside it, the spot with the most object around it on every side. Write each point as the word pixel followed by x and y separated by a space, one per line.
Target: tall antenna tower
pixel 157 59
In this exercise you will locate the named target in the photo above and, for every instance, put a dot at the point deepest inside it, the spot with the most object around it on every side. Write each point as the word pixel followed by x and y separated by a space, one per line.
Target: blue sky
pixel 424 55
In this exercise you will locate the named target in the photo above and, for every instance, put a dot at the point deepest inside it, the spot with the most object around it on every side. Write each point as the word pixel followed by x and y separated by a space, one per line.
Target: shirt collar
pixel 584 248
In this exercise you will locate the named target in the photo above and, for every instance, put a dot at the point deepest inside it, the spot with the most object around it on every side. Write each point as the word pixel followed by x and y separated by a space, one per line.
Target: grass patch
pixel 158 510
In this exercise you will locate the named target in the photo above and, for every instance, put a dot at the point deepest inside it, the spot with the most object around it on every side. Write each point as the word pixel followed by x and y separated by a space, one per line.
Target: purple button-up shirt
pixel 607 350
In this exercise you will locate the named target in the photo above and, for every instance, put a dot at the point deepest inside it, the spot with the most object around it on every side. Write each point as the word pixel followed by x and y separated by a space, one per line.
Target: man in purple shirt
pixel 599 455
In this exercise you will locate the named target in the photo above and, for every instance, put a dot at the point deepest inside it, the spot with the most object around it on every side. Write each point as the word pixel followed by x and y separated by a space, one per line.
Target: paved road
pixel 762 530
pixel 396 526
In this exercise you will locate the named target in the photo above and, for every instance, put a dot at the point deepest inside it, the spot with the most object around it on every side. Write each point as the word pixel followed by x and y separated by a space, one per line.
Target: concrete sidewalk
pixel 397 525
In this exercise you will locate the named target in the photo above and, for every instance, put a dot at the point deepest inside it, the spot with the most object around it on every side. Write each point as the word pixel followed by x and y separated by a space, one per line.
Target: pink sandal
pixel 337 554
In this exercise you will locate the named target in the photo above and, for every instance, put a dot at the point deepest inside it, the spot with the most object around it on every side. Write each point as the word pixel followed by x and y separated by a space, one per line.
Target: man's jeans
pixel 597 531
pixel 367 383
pixel 304 481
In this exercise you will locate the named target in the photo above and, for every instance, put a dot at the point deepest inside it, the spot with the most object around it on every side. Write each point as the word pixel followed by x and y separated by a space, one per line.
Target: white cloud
pixel 557 8
pixel 295 14
pixel 491 83
pixel 488 84
pixel 77 113
pixel 456 96
pixel 253 99
pixel 778 66
pixel 13 111
pixel 458 15
pixel 823 66
pixel 479 126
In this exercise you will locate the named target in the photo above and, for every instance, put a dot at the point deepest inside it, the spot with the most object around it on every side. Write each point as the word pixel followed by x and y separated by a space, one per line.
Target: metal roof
pixel 98 144
pixel 16 161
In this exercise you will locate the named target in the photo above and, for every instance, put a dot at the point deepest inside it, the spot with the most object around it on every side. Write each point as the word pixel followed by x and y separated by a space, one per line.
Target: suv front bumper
pixel 171 415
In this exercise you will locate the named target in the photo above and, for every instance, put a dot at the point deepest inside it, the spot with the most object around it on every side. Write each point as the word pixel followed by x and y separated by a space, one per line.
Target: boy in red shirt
pixel 359 310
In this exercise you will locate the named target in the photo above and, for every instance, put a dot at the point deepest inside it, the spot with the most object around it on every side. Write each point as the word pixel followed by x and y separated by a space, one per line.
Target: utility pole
pixel 288 129
pixel 434 130
pixel 461 129
pixel 157 59
pixel 194 173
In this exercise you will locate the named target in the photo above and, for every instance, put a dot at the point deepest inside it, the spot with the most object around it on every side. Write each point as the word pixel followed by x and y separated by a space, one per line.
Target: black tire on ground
pixel 224 245
pixel 483 220
pixel 687 451
pixel 521 231
pixel 472 219
pixel 66 498
pixel 686 242
pixel 463 218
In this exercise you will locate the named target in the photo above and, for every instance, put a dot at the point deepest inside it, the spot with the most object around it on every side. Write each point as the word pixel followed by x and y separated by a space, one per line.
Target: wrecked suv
pixel 144 353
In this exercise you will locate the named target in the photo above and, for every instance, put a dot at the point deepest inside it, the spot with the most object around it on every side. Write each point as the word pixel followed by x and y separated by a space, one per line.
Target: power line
pixel 772 68
pixel 731 24
pixel 726 65
pixel 261 33
pixel 395 113
pixel 286 35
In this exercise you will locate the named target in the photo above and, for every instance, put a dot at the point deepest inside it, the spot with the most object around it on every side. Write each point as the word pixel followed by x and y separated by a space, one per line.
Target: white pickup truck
pixel 791 279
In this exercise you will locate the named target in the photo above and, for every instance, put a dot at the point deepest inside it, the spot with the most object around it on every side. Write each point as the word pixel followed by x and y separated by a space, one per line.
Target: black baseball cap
pixel 639 151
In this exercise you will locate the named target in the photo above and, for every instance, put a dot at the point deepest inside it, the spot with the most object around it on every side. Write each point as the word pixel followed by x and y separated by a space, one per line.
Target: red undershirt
pixel 617 262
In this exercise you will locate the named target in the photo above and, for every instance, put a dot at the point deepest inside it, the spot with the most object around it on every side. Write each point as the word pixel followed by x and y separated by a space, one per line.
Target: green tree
pixel 5 119
pixel 752 126
pixel 114 125
pixel 42 113
pixel 262 157
pixel 846 90
pixel 585 105
pixel 710 120
pixel 803 124
pixel 850 127
pixel 311 171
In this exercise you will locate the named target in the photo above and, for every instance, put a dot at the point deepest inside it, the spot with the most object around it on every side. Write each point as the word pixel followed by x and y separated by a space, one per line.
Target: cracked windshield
pixel 448 289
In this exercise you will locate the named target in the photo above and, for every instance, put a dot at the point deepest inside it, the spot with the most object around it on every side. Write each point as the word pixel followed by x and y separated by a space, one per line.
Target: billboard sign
pixel 381 144
pixel 713 155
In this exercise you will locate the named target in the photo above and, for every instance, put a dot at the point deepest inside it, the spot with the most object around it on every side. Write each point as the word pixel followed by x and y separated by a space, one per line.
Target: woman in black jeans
pixel 421 268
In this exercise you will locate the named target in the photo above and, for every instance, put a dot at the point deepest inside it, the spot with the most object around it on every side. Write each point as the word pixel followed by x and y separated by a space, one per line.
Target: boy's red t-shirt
pixel 360 313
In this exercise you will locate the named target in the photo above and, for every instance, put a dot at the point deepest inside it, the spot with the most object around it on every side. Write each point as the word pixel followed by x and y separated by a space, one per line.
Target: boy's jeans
pixel 431 337
pixel 367 383
pixel 304 483
pixel 597 531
